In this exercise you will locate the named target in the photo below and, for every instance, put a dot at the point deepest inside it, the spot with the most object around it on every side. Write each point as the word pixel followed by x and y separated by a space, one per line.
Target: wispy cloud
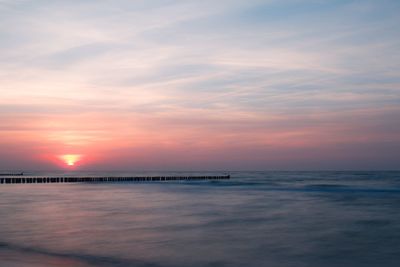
pixel 273 77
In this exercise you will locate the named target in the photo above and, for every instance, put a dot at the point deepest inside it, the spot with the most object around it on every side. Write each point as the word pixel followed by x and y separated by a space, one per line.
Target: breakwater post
pixel 102 179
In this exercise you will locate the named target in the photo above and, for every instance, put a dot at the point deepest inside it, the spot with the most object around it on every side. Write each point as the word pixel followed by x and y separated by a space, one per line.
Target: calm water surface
pixel 255 219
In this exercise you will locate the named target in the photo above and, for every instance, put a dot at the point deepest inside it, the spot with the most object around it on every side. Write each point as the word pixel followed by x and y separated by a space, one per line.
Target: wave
pixel 88 259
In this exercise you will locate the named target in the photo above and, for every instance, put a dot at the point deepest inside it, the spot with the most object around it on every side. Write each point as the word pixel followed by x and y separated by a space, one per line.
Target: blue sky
pixel 286 84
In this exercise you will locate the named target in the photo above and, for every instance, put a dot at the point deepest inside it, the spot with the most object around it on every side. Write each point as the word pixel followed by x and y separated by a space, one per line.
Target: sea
pixel 272 218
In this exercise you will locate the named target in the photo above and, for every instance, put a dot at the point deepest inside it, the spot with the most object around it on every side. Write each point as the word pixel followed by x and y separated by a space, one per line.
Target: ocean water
pixel 276 219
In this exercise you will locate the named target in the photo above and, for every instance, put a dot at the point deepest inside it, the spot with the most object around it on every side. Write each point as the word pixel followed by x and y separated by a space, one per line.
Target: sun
pixel 70 159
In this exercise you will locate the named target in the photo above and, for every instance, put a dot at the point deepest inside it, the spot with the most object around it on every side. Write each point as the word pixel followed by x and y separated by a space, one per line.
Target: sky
pixel 199 85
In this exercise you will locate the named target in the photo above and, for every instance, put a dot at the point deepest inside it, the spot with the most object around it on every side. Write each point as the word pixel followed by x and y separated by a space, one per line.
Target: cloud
pixel 206 76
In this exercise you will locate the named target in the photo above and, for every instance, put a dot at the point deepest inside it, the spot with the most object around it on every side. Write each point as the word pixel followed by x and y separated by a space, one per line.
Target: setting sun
pixel 70 159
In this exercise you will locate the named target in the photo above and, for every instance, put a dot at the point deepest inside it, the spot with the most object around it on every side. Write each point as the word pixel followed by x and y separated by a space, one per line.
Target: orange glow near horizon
pixel 70 159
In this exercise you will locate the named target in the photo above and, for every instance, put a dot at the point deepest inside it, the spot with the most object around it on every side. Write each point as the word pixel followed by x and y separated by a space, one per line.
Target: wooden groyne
pixel 41 180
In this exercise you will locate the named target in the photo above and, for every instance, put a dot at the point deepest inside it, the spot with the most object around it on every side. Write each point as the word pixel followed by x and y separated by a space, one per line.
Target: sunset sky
pixel 199 85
